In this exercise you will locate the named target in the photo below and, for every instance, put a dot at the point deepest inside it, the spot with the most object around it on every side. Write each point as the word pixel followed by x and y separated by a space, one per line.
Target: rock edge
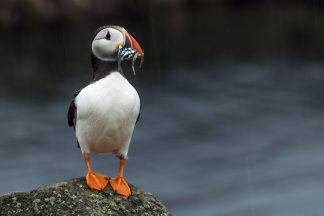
pixel 74 197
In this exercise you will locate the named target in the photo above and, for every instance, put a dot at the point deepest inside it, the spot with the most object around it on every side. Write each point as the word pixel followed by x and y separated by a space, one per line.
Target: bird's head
pixel 115 44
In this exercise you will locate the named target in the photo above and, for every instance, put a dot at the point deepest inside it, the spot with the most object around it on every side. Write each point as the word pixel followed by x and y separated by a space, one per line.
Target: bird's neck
pixel 103 68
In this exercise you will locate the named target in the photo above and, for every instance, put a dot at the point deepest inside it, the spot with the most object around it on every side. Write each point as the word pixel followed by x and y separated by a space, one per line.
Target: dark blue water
pixel 221 139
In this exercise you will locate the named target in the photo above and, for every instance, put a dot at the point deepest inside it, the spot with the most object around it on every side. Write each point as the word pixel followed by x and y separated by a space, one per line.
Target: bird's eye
pixel 108 36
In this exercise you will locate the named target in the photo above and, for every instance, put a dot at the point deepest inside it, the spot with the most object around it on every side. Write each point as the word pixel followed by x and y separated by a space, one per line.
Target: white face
pixel 106 42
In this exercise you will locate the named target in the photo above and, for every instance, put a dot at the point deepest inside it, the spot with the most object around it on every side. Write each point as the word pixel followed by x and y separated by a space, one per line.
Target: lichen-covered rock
pixel 74 197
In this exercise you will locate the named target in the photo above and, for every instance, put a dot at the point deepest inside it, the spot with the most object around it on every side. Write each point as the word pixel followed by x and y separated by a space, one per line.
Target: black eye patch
pixel 108 35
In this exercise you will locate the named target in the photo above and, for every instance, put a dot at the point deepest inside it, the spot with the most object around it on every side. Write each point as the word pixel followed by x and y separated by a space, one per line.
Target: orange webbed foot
pixel 120 185
pixel 96 181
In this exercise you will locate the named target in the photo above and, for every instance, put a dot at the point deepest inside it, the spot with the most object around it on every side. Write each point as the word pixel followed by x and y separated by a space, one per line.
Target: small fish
pixel 133 62
pixel 129 54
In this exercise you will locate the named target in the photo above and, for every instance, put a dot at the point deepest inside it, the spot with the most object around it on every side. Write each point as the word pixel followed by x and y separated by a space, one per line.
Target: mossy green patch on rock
pixel 73 197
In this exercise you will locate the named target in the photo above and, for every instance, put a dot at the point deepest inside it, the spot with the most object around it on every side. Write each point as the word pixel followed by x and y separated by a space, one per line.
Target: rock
pixel 74 197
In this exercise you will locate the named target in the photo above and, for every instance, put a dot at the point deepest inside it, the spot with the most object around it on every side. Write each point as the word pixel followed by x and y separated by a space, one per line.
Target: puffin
pixel 104 113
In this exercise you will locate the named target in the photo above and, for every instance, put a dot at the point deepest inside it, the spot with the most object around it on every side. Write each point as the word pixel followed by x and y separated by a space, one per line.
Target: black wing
pixel 139 115
pixel 72 111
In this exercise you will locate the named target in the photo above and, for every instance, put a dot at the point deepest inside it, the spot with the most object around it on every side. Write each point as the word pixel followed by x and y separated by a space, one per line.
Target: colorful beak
pixel 135 46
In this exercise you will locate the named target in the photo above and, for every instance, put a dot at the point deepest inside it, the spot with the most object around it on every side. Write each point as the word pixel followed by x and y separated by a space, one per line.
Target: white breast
pixel 106 114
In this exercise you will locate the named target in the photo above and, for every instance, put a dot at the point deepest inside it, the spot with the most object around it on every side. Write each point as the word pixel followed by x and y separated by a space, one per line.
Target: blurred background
pixel 232 114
